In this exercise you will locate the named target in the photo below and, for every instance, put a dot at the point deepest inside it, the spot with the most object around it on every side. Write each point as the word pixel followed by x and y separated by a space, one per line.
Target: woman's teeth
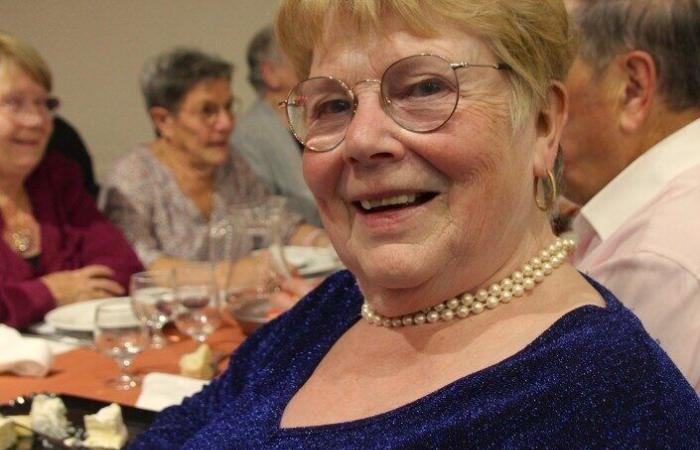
pixel 368 205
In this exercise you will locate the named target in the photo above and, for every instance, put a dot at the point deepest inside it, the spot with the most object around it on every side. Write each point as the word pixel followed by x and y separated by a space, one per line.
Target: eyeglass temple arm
pixel 497 66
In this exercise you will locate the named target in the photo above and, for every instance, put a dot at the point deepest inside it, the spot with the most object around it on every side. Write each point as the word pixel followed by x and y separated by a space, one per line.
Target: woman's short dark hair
pixel 167 78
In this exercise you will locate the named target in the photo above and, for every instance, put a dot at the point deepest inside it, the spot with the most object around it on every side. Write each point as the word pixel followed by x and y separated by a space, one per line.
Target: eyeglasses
pixel 209 112
pixel 419 92
pixel 19 107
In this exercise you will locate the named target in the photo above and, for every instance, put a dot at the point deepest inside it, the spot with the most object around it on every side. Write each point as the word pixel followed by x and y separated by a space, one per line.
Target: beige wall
pixel 96 48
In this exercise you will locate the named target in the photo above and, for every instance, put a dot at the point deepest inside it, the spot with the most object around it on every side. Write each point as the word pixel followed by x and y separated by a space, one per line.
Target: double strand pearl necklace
pixel 463 305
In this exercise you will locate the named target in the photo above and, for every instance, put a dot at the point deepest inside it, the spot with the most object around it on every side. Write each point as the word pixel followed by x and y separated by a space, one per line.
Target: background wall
pixel 96 48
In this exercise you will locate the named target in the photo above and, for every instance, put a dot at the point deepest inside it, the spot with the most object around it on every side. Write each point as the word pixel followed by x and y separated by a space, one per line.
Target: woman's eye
pixel 332 107
pixel 209 110
pixel 427 87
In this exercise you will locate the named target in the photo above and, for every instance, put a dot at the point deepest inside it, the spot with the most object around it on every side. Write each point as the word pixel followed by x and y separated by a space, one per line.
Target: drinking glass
pixel 119 334
pixel 196 301
pixel 249 243
pixel 151 298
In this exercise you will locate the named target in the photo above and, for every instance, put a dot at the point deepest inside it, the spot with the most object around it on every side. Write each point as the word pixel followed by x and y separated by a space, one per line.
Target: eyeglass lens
pixel 17 105
pixel 419 93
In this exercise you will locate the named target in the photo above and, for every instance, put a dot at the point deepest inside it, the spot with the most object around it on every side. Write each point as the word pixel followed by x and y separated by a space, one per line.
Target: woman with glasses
pixel 165 193
pixel 56 247
pixel 430 133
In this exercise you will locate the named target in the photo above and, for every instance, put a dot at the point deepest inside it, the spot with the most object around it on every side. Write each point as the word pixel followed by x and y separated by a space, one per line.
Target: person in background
pixel 164 194
pixel 631 159
pixel 460 323
pixel 261 134
pixel 66 140
pixel 56 247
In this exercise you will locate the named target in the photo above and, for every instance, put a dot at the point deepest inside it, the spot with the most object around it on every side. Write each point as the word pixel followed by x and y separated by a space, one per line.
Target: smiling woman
pixel 56 248
pixel 460 322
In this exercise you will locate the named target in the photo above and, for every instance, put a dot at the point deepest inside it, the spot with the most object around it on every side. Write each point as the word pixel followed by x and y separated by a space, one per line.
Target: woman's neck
pixel 186 172
pixel 12 191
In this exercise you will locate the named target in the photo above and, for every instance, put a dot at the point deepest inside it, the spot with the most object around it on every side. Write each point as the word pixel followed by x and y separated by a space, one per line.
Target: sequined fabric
pixel 594 379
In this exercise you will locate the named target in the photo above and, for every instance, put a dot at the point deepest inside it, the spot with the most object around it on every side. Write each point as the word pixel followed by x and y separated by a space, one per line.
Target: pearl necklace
pixel 463 305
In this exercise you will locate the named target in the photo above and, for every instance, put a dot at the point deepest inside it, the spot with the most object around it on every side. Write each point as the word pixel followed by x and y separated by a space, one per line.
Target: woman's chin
pixel 394 270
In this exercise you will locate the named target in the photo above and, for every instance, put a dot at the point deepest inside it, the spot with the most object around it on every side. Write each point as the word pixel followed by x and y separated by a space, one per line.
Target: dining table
pixel 83 371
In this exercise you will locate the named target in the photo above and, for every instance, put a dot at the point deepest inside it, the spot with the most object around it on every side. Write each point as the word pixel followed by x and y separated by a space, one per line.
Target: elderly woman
pixel 459 324
pixel 164 194
pixel 56 247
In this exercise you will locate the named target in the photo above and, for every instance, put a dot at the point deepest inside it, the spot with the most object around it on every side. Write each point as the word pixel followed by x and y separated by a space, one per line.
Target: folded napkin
pixel 24 356
pixel 160 390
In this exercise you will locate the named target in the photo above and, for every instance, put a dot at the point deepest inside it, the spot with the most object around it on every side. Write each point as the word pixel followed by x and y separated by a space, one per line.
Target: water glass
pixel 196 301
pixel 119 334
pixel 250 240
pixel 152 297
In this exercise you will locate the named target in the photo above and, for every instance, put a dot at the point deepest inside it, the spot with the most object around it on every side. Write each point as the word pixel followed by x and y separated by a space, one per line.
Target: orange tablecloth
pixel 83 372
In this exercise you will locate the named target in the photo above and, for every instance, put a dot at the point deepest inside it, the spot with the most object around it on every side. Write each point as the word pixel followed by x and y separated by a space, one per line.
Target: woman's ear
pixel 550 123
pixel 162 120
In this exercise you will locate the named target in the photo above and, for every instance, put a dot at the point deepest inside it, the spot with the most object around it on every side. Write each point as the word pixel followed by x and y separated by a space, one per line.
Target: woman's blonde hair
pixel 15 52
pixel 532 36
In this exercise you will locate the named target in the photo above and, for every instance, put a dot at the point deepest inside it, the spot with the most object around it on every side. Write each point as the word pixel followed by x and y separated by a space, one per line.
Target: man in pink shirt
pixel 632 160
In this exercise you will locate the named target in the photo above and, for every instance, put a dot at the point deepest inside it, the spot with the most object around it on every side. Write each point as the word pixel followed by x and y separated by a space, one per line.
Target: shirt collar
pixel 639 182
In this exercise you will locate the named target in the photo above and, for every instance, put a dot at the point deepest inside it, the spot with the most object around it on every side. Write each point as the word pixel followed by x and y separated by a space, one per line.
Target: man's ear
pixel 162 120
pixel 550 123
pixel 637 71
pixel 268 73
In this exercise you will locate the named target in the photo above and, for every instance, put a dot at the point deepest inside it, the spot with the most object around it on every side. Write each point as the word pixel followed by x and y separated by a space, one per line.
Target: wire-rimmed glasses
pixel 19 107
pixel 419 92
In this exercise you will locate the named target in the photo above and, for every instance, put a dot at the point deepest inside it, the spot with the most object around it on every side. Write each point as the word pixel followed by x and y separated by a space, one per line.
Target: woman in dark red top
pixel 56 247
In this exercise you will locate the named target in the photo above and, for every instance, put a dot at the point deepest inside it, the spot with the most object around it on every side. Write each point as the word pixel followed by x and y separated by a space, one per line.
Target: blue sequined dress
pixel 594 379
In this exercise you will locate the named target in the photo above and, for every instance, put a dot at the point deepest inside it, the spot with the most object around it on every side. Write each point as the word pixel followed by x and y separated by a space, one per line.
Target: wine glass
pixel 151 298
pixel 196 301
pixel 119 334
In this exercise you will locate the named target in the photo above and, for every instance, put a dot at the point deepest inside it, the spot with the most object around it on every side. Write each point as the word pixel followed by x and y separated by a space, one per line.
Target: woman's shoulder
pixel 607 353
pixel 134 170
pixel 316 321
pixel 55 172
pixel 138 160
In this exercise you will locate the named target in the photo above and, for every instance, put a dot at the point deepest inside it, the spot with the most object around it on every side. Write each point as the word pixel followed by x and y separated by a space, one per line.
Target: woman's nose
pixel 225 121
pixel 32 117
pixel 371 136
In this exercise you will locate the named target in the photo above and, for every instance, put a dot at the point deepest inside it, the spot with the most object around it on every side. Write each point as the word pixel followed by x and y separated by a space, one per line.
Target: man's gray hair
pixel 669 30
pixel 262 47
pixel 167 78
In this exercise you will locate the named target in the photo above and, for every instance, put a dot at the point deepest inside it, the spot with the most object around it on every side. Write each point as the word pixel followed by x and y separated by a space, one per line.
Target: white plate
pixel 312 260
pixel 76 316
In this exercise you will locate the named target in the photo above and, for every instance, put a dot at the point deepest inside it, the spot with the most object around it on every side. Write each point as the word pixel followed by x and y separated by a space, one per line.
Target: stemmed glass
pixel 119 334
pixel 196 301
pixel 151 298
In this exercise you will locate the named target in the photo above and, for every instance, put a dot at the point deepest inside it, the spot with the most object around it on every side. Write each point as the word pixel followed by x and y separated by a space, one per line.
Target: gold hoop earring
pixel 549 193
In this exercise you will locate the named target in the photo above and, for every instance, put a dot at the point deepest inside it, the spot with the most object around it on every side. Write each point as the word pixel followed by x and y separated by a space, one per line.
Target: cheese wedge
pixel 8 437
pixel 22 425
pixel 198 364
pixel 48 416
pixel 106 429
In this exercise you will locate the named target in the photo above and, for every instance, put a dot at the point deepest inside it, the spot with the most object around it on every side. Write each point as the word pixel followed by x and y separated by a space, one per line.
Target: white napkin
pixel 24 356
pixel 160 390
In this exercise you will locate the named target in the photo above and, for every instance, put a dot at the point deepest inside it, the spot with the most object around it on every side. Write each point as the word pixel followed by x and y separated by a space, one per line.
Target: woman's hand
pixel 93 281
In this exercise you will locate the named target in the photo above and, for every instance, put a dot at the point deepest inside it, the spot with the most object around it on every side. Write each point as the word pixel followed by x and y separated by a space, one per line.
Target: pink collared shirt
pixel 640 237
